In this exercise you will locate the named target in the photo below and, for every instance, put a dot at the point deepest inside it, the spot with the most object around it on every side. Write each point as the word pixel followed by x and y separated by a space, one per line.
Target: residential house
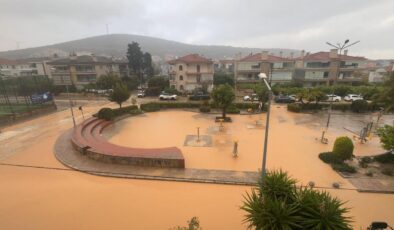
pixel 85 69
pixel 278 69
pixel 327 68
pixel 191 72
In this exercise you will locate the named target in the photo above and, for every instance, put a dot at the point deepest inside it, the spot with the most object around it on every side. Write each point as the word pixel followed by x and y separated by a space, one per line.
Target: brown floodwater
pixel 52 199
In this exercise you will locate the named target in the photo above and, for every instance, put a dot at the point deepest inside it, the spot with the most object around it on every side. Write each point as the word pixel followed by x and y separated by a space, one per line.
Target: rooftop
pixel 84 59
pixel 191 58
pixel 271 58
pixel 324 56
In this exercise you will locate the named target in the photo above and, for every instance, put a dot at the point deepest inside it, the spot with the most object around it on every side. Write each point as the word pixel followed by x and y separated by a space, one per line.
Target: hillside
pixel 116 45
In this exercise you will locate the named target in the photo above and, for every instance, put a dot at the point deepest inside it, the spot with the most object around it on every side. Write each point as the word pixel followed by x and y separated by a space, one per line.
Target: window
pixel 325 74
pixel 180 67
pixel 181 87
pixel 198 78
pixel 198 68
pixel 181 78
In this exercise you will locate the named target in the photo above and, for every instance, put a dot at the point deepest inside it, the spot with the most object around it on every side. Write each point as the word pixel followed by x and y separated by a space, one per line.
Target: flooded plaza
pixel 59 199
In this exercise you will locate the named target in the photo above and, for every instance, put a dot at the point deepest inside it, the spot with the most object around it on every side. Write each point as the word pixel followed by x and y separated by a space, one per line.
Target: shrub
pixel 342 107
pixel 205 109
pixel 246 106
pixel 387 172
pixel 343 147
pixel 106 114
pixel 359 106
pixel 384 158
pixel 293 107
pixel 150 107
pixel 330 158
pixel 366 160
pixel 153 91
pixel 124 110
pixel 232 109
pixel 343 167
pixel 369 173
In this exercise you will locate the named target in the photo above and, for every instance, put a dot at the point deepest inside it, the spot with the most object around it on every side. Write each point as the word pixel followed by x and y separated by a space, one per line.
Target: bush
pixel 232 109
pixel 106 114
pixel 153 91
pixel 369 173
pixel 359 106
pixel 125 110
pixel 205 109
pixel 293 107
pixel 385 158
pixel 330 158
pixel 342 107
pixel 343 147
pixel 343 167
pixel 366 160
pixel 387 172
pixel 150 107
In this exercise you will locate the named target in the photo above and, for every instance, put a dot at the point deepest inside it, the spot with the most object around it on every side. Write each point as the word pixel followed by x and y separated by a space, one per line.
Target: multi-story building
pixel 224 65
pixel 191 72
pixel 82 70
pixel 16 68
pixel 279 69
pixel 327 68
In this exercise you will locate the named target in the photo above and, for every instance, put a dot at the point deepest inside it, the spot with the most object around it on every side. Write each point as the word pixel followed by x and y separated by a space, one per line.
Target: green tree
pixel 158 82
pixel 221 78
pixel 262 92
pixel 311 94
pixel 277 203
pixel 134 55
pixel 386 135
pixel 107 81
pixel 223 96
pixel 147 66
pixel 120 94
pixel 387 95
pixel 192 224
pixel 132 82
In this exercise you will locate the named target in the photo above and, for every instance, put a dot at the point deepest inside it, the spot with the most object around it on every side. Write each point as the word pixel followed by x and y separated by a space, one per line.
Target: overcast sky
pixel 298 24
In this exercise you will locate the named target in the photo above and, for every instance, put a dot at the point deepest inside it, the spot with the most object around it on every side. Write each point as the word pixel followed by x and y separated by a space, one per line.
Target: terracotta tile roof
pixel 324 56
pixel 84 59
pixel 191 58
pixel 4 61
pixel 271 58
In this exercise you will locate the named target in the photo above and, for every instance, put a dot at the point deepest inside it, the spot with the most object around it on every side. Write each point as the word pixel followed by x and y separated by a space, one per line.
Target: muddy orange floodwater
pixel 34 198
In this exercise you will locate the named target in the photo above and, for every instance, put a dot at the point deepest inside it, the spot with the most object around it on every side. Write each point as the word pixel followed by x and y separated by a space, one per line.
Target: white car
pixel 333 97
pixel 353 97
pixel 141 94
pixel 253 97
pixel 167 96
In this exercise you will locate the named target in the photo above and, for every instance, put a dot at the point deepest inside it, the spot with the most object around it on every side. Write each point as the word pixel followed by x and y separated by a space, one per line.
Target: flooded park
pixel 37 188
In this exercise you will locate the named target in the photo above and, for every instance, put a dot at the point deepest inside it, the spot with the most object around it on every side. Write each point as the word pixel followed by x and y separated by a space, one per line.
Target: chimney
pixel 264 55
pixel 333 53
pixel 345 52
pixel 280 53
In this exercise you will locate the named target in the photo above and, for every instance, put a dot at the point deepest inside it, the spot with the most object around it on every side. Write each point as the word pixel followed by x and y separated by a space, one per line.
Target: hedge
pixel 298 107
pixel 384 158
pixel 359 106
pixel 232 109
pixel 343 148
pixel 330 158
pixel 106 114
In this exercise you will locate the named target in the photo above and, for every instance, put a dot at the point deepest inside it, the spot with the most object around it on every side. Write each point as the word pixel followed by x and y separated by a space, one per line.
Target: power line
pixel 131 174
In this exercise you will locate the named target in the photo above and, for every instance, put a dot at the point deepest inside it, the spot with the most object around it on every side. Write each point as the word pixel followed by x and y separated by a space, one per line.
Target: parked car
pixel 353 97
pixel 252 97
pixel 167 96
pixel 293 97
pixel 284 99
pixel 141 94
pixel 199 96
pixel 41 98
pixel 333 97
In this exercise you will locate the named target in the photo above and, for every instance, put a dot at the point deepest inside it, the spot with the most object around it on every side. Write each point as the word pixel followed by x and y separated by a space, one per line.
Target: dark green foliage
pixel 106 114
pixel 386 135
pixel 147 66
pixel 156 106
pixel 107 81
pixel 386 94
pixel 232 109
pixel 220 78
pixel 156 85
pixel 343 167
pixel 132 82
pixel 387 172
pixel 172 91
pixel 245 106
pixel 150 107
pixel 262 92
pixel 132 109
pixel 359 106
pixel 153 91
pixel 294 107
pixel 192 224
pixel 223 96
pixel 205 109
pixel 342 107
pixel 278 204
pixel 366 160
pixel 343 147
pixel 369 173
pixel 385 158
pixel 120 94
pixel 134 55
pixel 330 158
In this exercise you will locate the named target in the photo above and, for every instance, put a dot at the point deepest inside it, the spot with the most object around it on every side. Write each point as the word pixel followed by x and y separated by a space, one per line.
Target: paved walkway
pixel 66 154
pixel 373 185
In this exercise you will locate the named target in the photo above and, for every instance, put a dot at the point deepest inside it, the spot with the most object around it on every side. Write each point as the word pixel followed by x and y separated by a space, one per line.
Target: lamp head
pixel 262 76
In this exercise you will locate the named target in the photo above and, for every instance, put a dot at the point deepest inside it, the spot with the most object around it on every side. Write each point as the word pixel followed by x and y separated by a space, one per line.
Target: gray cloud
pixel 301 24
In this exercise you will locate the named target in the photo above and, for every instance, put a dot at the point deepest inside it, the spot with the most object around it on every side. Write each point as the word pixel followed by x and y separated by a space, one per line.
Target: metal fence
pixel 24 96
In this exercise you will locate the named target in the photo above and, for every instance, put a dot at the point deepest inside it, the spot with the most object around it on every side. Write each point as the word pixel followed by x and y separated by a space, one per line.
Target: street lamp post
pixel 263 76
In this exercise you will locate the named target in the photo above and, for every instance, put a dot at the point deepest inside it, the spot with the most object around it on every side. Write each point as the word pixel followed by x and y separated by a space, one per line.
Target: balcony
pixel 197 73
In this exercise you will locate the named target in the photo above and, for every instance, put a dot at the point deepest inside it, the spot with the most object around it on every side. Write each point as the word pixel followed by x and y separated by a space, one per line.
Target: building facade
pixel 279 69
pixel 86 69
pixel 327 68
pixel 191 72
pixel 17 68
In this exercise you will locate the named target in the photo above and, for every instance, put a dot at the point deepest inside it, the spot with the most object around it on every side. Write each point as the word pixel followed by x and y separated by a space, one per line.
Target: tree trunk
pixel 120 105
pixel 224 112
